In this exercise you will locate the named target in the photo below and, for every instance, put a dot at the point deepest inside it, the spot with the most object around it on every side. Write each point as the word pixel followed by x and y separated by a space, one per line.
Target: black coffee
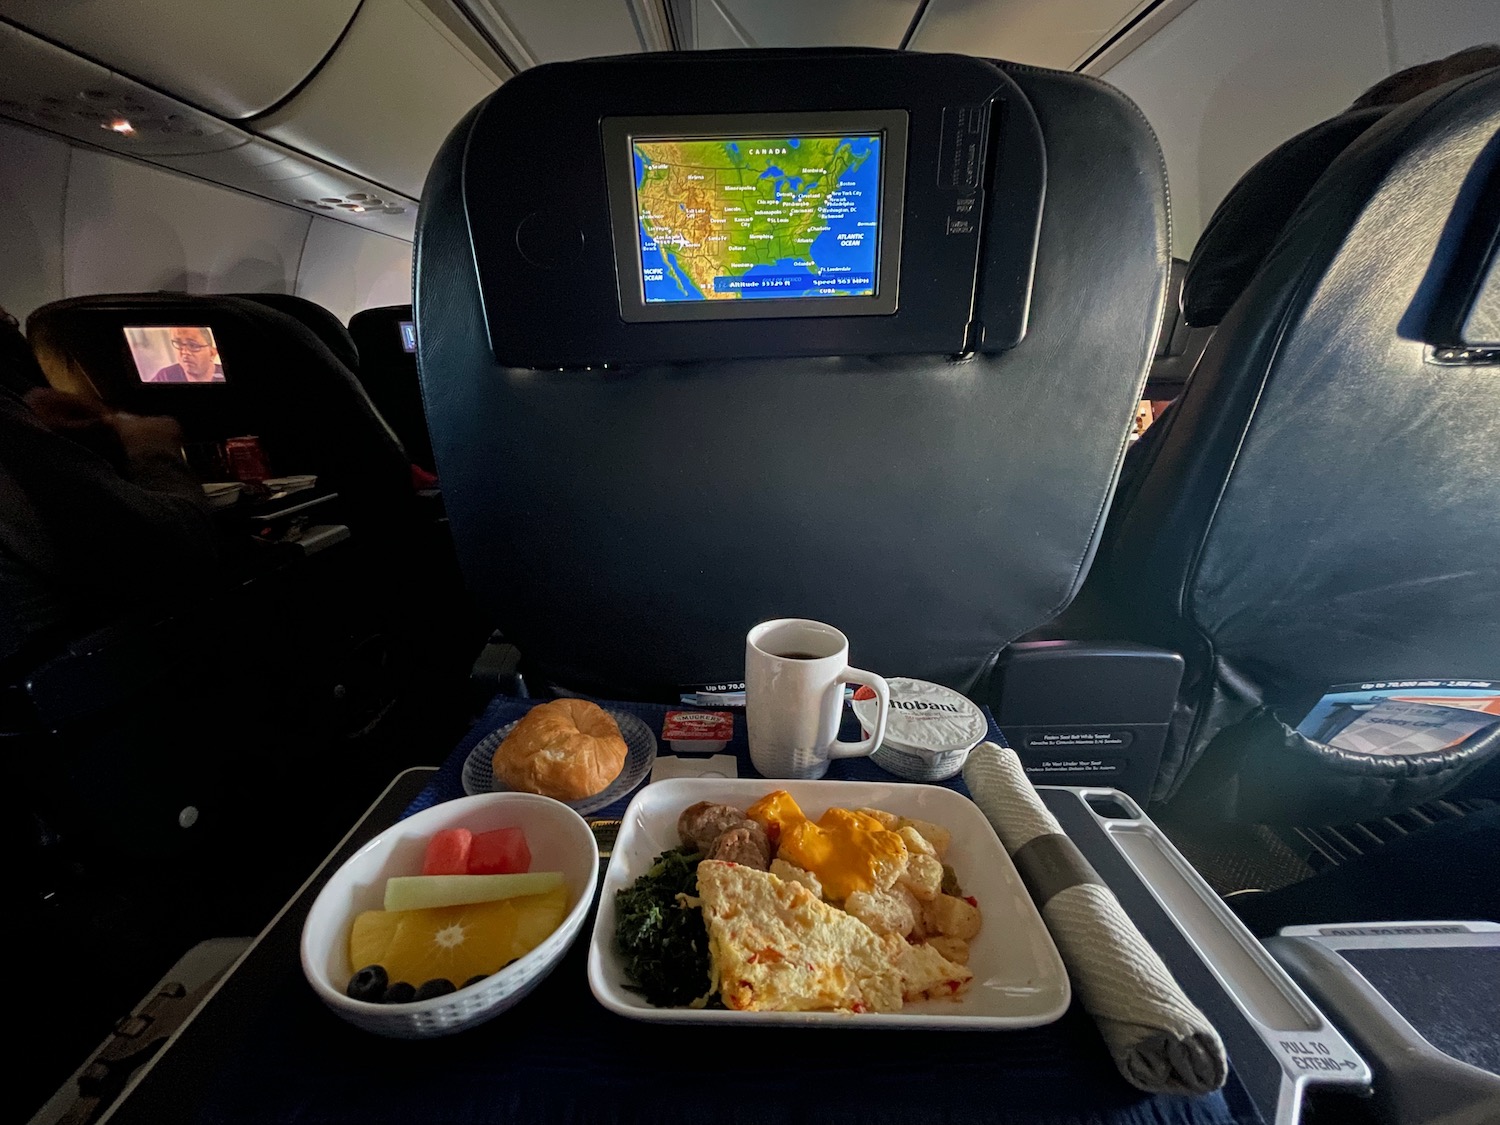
pixel 798 656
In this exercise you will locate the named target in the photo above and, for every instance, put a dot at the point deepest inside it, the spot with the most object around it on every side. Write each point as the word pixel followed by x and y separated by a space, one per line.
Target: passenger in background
pixel 197 358
pixel 98 512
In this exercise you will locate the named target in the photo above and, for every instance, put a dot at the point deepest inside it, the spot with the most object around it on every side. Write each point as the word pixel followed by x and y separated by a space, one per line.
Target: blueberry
pixel 438 987
pixel 399 993
pixel 368 984
pixel 474 980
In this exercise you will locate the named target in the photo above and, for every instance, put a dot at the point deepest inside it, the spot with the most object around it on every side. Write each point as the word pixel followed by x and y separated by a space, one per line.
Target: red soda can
pixel 246 459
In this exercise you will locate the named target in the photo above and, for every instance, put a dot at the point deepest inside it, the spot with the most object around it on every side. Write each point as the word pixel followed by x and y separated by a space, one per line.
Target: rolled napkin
pixel 1159 1039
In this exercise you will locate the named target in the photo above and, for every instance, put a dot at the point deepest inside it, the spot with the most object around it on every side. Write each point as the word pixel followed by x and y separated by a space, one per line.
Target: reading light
pixel 121 126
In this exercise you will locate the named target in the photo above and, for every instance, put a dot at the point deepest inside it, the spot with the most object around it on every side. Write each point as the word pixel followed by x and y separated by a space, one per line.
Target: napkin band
pixel 1051 863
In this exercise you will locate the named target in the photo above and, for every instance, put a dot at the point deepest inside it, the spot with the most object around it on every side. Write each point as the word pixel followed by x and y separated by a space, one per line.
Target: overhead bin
pixel 226 56
pixel 386 98
pixel 1055 33
pixel 542 31
pixel 46 87
pixel 43 85
pixel 710 24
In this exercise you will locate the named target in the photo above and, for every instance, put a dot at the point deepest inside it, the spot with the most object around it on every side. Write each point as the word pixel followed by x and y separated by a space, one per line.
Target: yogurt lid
pixel 926 718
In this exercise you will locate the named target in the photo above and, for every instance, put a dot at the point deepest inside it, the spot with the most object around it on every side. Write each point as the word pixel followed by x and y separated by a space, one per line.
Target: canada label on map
pixel 761 217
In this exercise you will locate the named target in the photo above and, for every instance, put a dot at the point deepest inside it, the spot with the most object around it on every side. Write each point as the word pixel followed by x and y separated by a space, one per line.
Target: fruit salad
pixel 475 907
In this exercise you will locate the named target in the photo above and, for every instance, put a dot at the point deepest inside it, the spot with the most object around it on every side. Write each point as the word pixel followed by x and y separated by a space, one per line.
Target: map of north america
pixel 761 217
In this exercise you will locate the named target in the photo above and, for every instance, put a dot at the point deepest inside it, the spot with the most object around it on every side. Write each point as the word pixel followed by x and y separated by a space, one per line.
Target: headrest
pixel 384 331
pixel 324 325
pixel 387 342
pixel 1247 223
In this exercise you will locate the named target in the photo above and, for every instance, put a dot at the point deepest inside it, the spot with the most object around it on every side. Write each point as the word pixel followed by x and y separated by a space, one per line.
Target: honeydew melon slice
pixel 423 892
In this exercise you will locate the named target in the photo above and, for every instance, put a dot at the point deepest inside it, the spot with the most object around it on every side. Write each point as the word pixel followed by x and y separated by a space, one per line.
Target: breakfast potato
pixel 923 876
pixel 914 904
pixel 916 843
pixel 791 873
pixel 889 868
pixel 953 948
pixel 883 913
pixel 951 917
pixel 935 834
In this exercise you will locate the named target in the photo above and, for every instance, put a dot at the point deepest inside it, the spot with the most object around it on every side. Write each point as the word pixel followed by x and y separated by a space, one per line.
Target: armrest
pixel 1348 970
pixel 1087 712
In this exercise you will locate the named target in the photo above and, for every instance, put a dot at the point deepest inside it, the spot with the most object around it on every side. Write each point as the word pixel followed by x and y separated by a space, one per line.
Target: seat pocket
pixel 1262 771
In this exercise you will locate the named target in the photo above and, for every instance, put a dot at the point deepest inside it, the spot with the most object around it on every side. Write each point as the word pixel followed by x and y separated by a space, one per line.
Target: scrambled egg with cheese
pixel 847 851
pixel 851 917
pixel 775 947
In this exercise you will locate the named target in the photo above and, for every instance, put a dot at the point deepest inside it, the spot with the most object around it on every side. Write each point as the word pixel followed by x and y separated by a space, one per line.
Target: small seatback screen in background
pixel 758 217
pixel 409 335
pixel 175 354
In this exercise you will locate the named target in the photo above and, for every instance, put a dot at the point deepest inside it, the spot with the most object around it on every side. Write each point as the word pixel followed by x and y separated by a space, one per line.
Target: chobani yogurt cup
pixel 930 731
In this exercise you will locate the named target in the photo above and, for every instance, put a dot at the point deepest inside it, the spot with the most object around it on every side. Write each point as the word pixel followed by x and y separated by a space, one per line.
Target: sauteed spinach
pixel 663 940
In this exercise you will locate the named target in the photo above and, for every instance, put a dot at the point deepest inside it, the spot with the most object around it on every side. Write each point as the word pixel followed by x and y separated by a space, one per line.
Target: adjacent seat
pixel 155 722
pixel 1239 236
pixel 281 382
pixel 625 527
pixel 386 342
pixel 1323 507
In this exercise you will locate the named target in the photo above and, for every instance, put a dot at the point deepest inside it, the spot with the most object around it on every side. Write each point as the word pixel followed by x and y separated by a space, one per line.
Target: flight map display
pixel 758 217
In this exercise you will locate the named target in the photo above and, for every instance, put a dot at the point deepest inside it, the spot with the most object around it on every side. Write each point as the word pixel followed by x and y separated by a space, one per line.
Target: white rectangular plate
pixel 1019 979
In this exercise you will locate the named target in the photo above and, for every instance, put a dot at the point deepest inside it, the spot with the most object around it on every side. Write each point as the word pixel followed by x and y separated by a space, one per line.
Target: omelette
pixel 774 946
pixel 926 974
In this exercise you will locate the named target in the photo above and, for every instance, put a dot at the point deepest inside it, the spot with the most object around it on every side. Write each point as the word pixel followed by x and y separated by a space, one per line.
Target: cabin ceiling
pixel 1053 33
pixel 338 106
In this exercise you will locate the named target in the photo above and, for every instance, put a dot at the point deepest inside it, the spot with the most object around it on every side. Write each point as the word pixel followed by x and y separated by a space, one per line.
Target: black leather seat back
pixel 389 375
pixel 1246 225
pixel 313 316
pixel 1325 506
pixel 626 527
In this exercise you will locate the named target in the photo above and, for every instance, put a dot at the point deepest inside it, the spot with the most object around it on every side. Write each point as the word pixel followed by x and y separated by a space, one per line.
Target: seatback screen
pixel 756 215
pixel 408 335
pixel 757 218
pixel 175 353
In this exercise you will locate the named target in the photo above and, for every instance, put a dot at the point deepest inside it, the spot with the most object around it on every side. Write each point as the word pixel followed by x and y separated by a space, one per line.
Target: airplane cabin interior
pixel 649 542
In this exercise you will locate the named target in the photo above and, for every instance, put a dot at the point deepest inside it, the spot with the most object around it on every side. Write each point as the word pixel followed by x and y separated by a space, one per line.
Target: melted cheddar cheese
pixel 848 851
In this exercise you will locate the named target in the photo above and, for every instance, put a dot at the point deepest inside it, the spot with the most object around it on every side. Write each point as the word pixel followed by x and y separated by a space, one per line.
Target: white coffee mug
pixel 795 672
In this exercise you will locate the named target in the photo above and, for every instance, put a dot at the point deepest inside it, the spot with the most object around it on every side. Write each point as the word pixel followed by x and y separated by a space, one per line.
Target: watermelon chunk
pixel 501 852
pixel 448 852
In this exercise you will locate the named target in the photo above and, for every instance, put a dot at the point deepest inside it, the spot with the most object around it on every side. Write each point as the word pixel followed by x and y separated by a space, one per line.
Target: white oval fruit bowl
pixel 560 840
